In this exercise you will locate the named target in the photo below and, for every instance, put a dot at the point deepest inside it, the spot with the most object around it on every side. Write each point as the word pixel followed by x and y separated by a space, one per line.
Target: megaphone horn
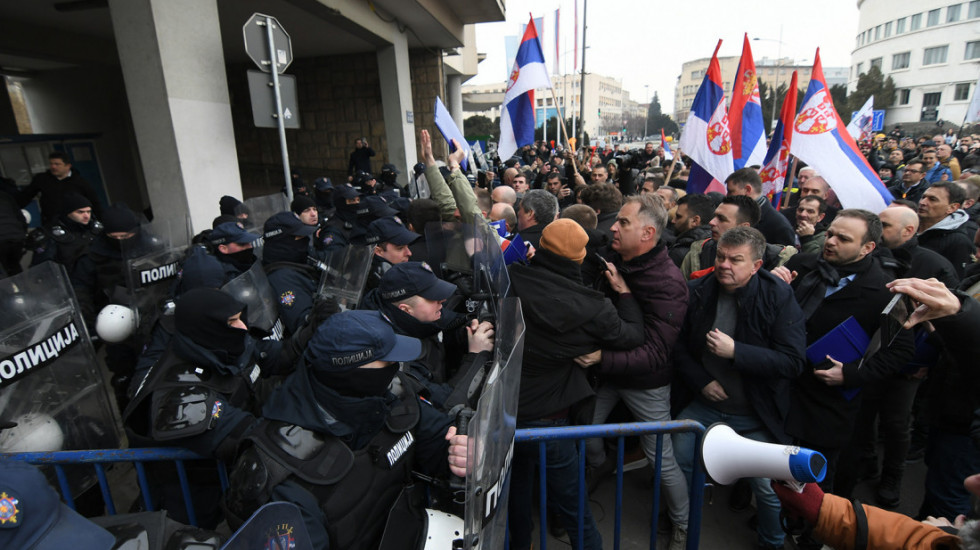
pixel 727 457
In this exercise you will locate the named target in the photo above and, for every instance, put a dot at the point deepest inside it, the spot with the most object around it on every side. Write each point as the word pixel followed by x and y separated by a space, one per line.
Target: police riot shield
pixel 51 384
pixel 491 435
pixel 252 288
pixel 153 260
pixel 450 248
pixel 343 275
pixel 491 280
pixel 253 213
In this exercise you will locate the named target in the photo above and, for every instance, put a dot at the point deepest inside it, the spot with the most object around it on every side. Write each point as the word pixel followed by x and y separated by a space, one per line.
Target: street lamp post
pixel 646 118
pixel 772 88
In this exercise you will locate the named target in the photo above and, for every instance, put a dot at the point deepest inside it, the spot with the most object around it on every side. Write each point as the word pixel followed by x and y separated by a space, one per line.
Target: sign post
pixel 270 47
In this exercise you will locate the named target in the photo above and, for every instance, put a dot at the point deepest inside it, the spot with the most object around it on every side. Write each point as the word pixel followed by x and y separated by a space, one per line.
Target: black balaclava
pixel 285 248
pixel 202 316
pixel 242 260
pixel 359 382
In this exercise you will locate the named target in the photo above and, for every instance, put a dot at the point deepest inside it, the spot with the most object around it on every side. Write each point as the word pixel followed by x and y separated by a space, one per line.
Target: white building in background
pixel 774 72
pixel 930 48
pixel 607 103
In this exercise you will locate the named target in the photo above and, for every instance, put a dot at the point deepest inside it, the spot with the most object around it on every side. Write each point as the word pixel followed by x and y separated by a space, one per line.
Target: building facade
pixel 774 72
pixel 149 98
pixel 930 48
pixel 607 103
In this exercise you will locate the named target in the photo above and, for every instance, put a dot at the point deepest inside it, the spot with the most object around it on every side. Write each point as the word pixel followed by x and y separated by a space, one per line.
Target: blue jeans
pixel 951 458
pixel 562 473
pixel 770 531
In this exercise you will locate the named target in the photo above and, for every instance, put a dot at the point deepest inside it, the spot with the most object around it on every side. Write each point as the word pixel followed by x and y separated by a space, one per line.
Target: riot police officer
pixel 347 460
pixel 69 236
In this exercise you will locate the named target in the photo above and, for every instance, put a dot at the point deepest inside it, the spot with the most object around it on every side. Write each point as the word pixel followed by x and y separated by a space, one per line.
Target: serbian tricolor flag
pixel 517 112
pixel 745 114
pixel 821 140
pixel 774 167
pixel 668 154
pixel 707 138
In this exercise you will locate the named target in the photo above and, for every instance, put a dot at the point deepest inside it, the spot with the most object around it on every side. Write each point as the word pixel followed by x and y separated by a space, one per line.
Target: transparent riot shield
pixel 252 288
pixel 343 275
pixel 153 260
pixel 253 213
pixel 450 248
pixel 51 384
pixel 491 435
pixel 490 277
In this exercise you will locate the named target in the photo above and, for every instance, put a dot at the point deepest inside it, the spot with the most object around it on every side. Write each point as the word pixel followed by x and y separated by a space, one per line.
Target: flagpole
pixel 564 130
pixel 673 163
pixel 791 177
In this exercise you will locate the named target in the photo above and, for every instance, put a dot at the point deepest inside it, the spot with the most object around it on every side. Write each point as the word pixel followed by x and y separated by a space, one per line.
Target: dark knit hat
pixel 228 205
pixel 565 238
pixel 301 203
pixel 119 219
pixel 71 202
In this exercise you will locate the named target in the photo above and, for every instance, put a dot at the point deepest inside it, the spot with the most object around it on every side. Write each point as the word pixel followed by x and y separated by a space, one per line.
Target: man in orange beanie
pixel 564 319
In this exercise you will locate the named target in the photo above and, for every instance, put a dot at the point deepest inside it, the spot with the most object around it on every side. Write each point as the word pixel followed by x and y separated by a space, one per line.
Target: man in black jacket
pixel 845 281
pixel 741 346
pixel 564 320
pixel 890 402
pixel 54 184
pixel 943 224
pixel 690 224
pixel 774 227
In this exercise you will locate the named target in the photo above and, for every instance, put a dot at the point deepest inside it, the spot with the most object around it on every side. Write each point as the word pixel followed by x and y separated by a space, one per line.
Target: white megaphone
pixel 727 457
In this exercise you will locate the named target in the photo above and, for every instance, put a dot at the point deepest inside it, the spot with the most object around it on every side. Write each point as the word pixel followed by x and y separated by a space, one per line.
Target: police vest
pixel 178 399
pixel 357 491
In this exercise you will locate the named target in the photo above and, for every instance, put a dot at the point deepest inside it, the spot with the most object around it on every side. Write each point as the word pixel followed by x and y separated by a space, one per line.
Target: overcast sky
pixel 642 43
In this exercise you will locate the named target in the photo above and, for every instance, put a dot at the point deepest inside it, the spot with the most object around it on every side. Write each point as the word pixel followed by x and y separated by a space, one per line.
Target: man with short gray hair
pixel 641 377
pixel 537 209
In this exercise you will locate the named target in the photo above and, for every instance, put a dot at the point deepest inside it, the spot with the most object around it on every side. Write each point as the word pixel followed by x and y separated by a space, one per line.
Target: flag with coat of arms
pixel 707 138
pixel 517 112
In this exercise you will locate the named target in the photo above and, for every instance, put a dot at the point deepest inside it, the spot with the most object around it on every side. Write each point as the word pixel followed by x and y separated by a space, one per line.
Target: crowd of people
pixel 709 307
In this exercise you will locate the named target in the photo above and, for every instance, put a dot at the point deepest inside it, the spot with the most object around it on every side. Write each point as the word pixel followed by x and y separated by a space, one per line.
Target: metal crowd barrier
pixel 138 457
pixel 620 431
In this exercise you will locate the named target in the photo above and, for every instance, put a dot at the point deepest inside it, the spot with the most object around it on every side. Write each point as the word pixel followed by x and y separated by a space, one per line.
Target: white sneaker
pixel 678 540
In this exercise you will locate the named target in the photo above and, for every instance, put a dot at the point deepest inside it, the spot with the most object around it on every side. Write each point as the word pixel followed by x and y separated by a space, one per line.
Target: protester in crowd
pixel 741 347
pixel 360 157
pixel 690 224
pixel 564 319
pixel 774 227
pixel 640 377
pixel 537 209
pixel 943 224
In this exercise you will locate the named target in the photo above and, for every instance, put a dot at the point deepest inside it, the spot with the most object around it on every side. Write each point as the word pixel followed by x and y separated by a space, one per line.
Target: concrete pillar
pixel 396 102
pixel 454 93
pixel 174 69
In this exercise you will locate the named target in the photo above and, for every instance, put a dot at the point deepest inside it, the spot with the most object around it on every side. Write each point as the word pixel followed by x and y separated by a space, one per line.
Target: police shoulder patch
pixel 287 299
pixel 8 511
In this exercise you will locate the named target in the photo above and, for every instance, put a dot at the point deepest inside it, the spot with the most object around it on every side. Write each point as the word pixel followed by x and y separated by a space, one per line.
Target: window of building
pixel 876 62
pixel 936 55
pixel 903 96
pixel 859 69
pixel 888 29
pixel 972 50
pixel 540 103
pixel 974 9
pixel 901 60
pixel 930 107
pixel 961 92
pixel 916 22
pixel 900 25
pixel 953 13
pixel 878 32
pixel 932 19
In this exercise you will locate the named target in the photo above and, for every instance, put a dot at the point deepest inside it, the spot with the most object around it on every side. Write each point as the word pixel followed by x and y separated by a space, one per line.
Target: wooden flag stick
pixel 673 163
pixel 789 177
pixel 564 131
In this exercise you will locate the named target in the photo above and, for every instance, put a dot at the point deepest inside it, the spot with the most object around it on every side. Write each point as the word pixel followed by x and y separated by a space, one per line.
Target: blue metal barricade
pixel 620 431
pixel 138 457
